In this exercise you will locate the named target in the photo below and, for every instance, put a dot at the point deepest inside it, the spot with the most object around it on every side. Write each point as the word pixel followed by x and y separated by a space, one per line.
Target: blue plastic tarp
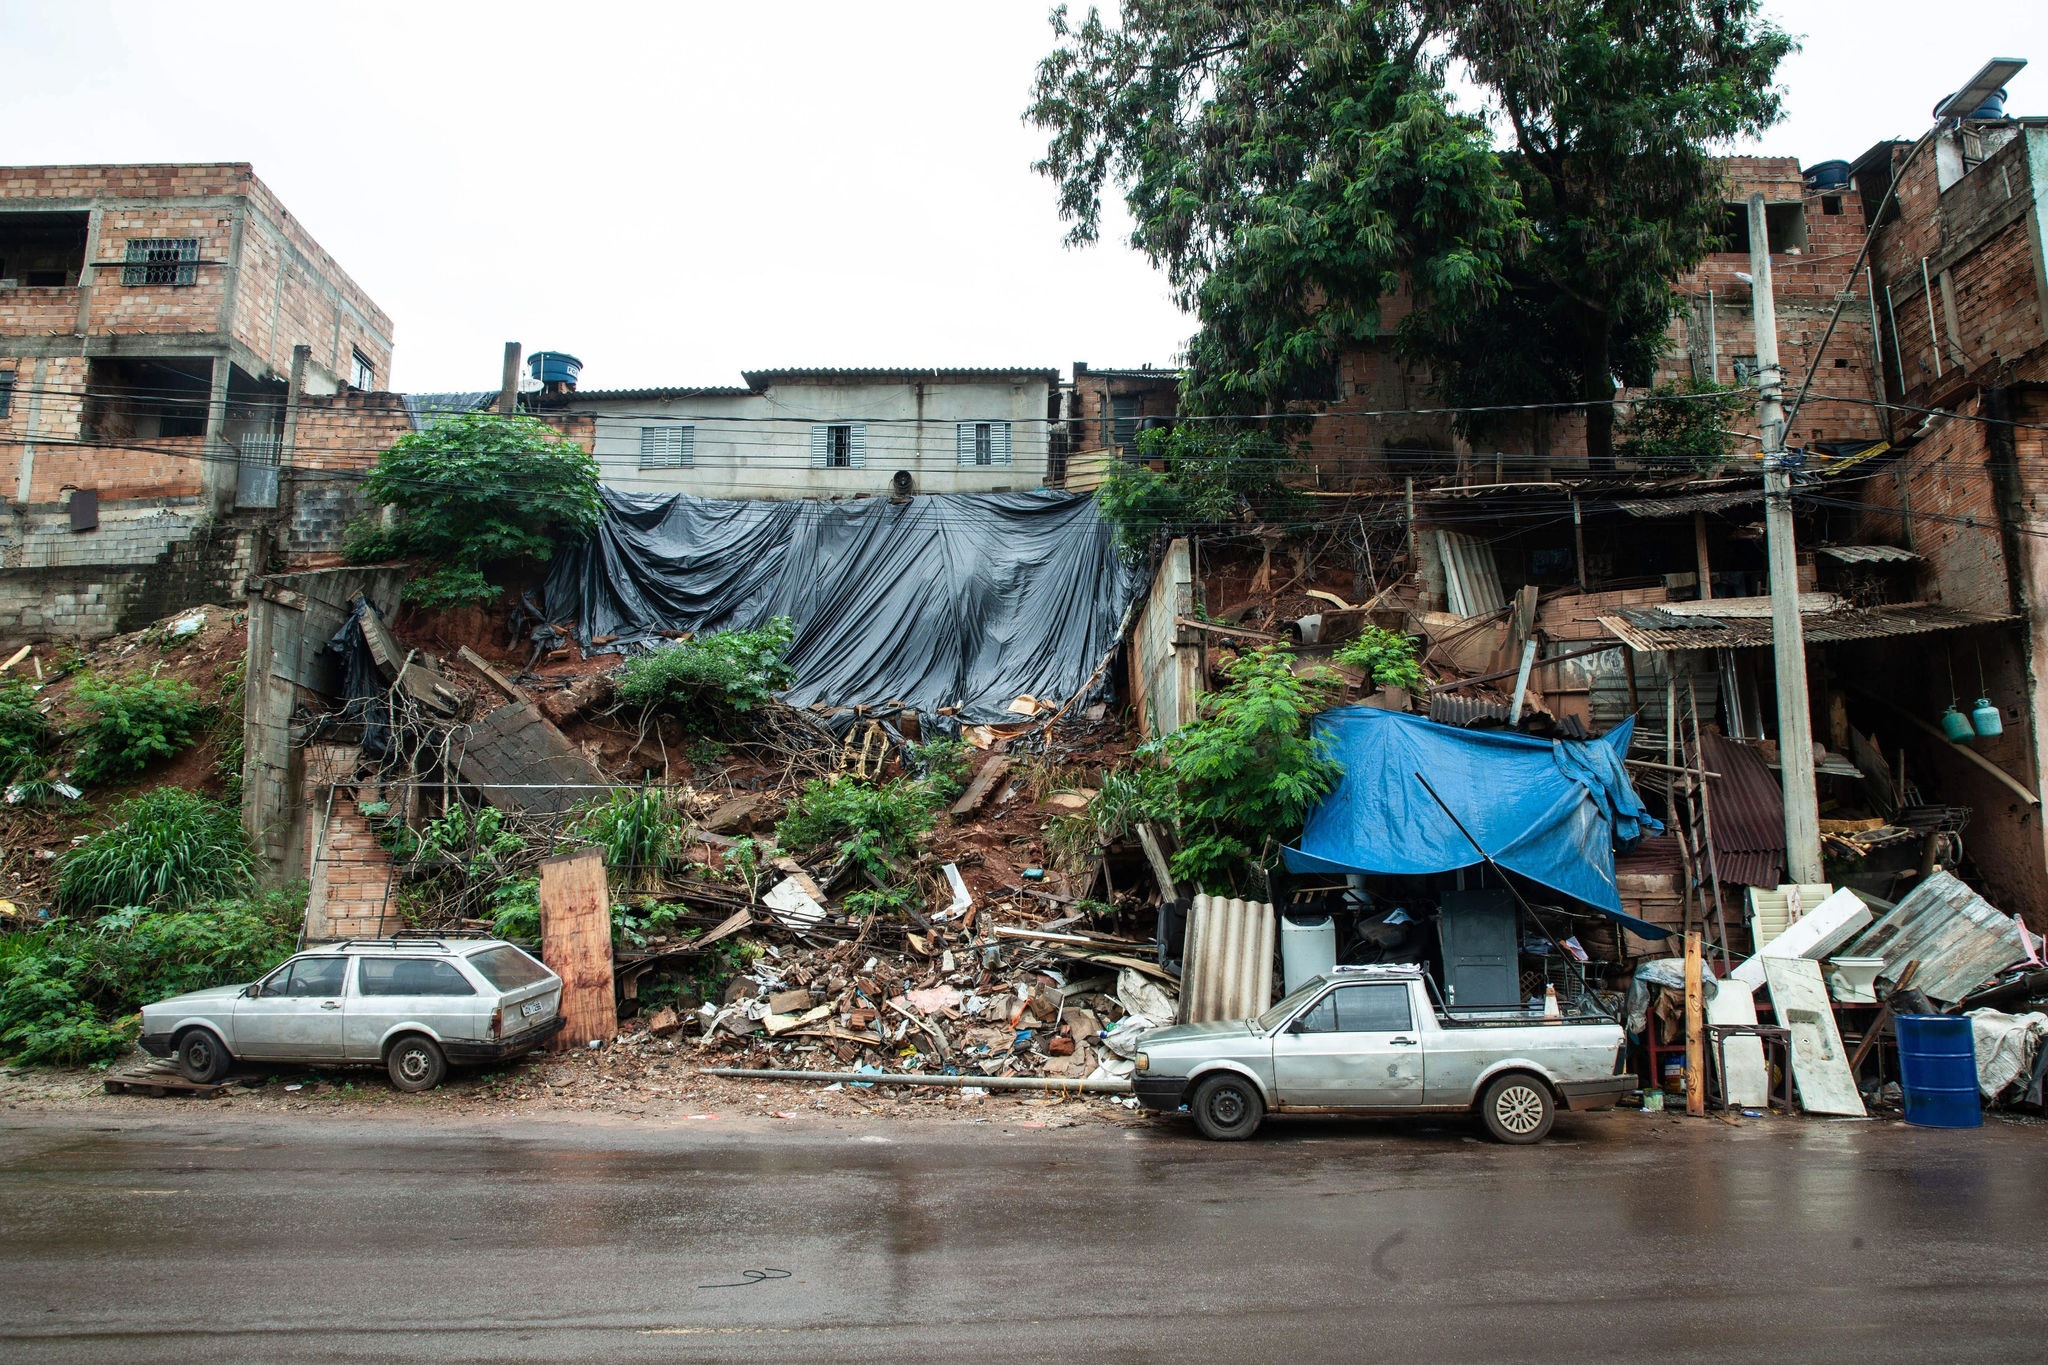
pixel 1549 810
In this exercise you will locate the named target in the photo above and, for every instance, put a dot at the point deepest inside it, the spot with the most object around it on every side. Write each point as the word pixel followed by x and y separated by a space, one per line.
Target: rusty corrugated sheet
pixel 1228 972
pixel 1658 632
pixel 1477 713
pixel 1959 939
pixel 1686 506
pixel 1748 813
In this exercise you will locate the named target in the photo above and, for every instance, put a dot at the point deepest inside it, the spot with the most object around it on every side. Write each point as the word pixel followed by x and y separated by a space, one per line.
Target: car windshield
pixel 1275 1016
pixel 507 968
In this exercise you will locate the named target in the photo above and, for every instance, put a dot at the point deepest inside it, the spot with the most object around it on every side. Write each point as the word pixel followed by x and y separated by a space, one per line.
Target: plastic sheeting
pixel 957 600
pixel 1550 810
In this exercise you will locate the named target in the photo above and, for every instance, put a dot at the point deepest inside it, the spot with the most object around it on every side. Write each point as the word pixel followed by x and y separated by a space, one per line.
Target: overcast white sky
pixel 679 191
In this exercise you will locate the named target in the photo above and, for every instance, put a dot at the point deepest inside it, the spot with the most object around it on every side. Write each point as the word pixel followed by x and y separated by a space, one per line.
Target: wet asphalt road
pixel 1626 1236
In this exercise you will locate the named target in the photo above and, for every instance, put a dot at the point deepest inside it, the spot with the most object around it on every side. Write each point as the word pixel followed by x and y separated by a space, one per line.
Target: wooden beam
pixel 1695 1030
pixel 984 784
pixel 1699 545
pixel 497 679
pixel 576 944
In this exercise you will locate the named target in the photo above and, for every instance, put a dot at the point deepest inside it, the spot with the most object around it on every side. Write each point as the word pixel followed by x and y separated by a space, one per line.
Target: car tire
pixel 415 1063
pixel 1227 1108
pixel 1517 1108
pixel 202 1057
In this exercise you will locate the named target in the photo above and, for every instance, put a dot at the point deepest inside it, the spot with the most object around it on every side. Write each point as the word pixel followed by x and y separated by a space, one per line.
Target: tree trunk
pixel 1598 391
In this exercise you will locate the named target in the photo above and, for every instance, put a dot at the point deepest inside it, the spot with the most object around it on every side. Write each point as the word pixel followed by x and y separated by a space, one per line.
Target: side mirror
pixel 1298 1026
pixel 250 991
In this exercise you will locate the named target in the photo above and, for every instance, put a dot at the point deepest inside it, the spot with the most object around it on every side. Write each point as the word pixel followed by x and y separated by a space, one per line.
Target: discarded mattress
pixel 1550 810
pixel 957 600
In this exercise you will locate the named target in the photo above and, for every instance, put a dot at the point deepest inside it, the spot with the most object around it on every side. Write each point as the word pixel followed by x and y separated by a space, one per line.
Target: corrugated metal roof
pixel 1657 633
pixel 1468 713
pixel 1228 973
pixel 763 378
pixel 1866 554
pixel 1690 503
pixel 1748 813
pixel 1959 939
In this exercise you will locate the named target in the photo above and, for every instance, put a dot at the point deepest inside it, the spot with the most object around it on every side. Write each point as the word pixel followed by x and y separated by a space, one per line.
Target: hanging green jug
pixel 1956 726
pixel 1985 717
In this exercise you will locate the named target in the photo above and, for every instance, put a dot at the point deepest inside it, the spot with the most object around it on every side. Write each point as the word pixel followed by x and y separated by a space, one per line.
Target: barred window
pixel 668 447
pixel 982 443
pixel 161 260
pixel 839 445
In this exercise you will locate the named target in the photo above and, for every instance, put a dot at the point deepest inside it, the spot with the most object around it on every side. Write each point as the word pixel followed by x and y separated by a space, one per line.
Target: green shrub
pixel 133 724
pixel 876 826
pixel 946 763
pixel 450 587
pixel 515 910
pixel 167 848
pixel 27 738
pixel 473 489
pixel 1682 434
pixel 1245 773
pixel 641 833
pixel 473 844
pixel 1385 658
pixel 44 1021
pixel 1212 474
pixel 717 676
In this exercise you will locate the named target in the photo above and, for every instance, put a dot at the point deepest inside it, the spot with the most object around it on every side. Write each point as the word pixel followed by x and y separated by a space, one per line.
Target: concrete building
pixel 822 433
pixel 1105 410
pixel 149 322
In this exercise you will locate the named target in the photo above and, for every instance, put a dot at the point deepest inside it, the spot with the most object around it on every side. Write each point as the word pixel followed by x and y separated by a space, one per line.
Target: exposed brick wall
pixel 349 872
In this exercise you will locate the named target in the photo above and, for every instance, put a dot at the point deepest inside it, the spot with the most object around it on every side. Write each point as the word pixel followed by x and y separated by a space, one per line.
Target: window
pixel 839 445
pixel 6 391
pixel 309 977
pixel 161 260
pixel 983 442
pixel 1831 205
pixel 410 976
pixel 362 374
pixel 668 447
pixel 1124 422
pixel 507 968
pixel 1380 1008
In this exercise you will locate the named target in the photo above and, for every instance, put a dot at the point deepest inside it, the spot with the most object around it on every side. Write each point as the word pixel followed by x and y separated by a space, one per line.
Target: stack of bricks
pixel 350 872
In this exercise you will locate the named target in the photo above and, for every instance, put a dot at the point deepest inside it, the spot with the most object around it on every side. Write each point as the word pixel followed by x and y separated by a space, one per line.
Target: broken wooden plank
pixel 498 680
pixel 1260 637
pixel 1155 854
pixel 576 944
pixel 736 814
pixel 15 658
pixel 984 784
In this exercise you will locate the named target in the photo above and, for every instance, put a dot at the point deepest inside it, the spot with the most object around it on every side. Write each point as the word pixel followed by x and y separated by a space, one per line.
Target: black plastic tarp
pixel 955 600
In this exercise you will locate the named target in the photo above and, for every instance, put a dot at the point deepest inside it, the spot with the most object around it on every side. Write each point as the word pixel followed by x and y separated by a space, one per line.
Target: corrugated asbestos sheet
pixel 1228 973
pixel 1867 554
pixel 1686 506
pixel 1656 631
pixel 1748 813
pixel 1475 713
pixel 1471 583
pixel 1959 939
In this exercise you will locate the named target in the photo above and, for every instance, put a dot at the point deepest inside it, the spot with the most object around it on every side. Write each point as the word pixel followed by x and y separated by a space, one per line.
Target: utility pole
pixel 1788 637
pixel 508 389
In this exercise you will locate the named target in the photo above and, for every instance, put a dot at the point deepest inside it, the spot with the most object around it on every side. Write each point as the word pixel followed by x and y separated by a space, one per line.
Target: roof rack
pixel 1384 968
pixel 399 940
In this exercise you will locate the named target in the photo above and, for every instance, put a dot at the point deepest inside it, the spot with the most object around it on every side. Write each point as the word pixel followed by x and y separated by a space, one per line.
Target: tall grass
pixel 166 849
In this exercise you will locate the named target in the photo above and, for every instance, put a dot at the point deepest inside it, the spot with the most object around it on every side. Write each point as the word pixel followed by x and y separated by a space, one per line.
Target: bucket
pixel 1938 1071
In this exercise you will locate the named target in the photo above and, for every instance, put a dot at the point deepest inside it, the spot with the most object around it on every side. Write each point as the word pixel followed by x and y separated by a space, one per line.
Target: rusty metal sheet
pixel 1838 627
pixel 1959 939
pixel 1748 813
pixel 1228 973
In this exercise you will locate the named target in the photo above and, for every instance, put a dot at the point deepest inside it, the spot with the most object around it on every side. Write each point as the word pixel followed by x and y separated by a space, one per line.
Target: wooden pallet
pixel 151 1081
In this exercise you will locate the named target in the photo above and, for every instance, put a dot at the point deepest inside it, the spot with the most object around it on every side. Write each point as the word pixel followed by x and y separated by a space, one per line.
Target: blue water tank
pixel 1938 1070
pixel 1992 107
pixel 555 367
pixel 1828 175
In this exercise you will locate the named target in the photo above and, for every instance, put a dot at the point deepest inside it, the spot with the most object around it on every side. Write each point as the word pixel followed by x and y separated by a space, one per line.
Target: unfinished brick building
pixel 149 317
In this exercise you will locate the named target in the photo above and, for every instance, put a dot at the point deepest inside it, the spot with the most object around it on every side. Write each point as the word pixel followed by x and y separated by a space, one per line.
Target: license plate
pixel 532 1007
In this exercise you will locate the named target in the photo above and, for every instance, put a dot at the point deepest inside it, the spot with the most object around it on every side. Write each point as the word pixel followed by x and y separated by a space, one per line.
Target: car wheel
pixel 415 1063
pixel 1227 1108
pixel 202 1057
pixel 1518 1108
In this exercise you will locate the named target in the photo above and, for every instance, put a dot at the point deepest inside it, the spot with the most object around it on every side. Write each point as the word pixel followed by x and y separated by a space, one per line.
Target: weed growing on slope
pixel 166 848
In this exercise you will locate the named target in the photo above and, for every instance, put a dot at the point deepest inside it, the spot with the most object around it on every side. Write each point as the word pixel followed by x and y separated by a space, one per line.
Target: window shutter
pixel 963 442
pixel 686 447
pixel 857 446
pixel 999 442
pixel 821 443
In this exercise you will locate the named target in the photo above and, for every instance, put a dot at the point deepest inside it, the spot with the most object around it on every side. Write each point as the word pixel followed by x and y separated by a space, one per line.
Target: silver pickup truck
pixel 1373 1041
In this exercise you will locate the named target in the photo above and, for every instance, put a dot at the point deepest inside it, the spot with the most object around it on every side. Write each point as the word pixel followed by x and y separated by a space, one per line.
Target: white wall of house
pixel 822 436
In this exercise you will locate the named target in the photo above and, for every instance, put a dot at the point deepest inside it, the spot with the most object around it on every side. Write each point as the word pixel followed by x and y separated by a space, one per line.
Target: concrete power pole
pixel 1788 638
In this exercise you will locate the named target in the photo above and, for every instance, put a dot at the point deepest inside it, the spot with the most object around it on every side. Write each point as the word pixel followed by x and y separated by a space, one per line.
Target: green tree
pixel 1290 163
pixel 1681 425
pixel 475 489
pixel 1210 473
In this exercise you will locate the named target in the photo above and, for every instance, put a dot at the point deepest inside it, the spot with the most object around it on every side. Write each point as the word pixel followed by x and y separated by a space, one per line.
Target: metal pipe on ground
pixel 1064 1087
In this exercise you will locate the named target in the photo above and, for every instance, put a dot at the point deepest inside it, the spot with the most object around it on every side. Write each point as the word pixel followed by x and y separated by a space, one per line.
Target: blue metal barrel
pixel 1938 1071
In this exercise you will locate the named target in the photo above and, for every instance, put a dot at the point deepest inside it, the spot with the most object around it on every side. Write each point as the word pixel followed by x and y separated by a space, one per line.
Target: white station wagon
pixel 416 1006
